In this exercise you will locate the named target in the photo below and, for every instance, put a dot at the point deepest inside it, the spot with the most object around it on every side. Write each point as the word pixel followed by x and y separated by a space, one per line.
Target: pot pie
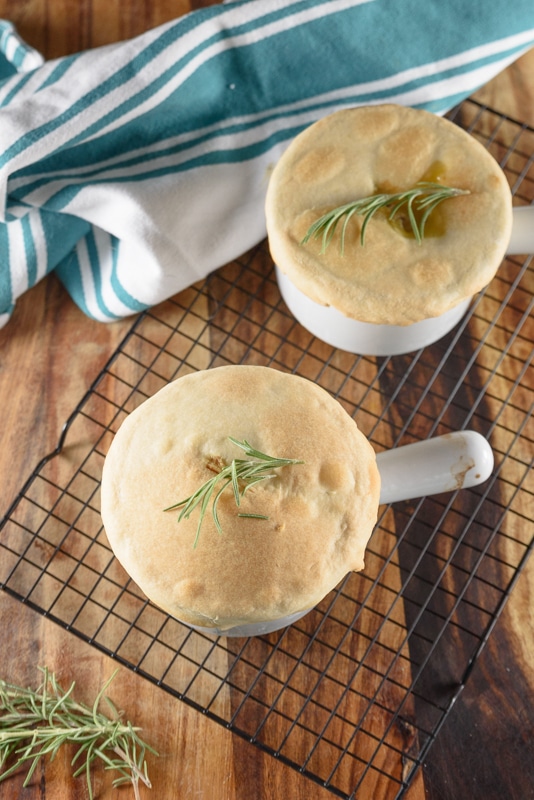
pixel 319 514
pixel 391 279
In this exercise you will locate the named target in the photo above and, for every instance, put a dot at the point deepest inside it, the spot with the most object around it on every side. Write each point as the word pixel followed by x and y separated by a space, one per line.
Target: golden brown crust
pixel 391 279
pixel 321 513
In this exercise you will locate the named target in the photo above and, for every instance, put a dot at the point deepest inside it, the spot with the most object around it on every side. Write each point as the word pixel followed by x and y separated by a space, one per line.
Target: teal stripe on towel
pixel 6 289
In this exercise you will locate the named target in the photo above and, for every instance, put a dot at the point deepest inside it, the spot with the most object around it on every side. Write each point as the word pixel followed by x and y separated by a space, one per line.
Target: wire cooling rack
pixel 354 694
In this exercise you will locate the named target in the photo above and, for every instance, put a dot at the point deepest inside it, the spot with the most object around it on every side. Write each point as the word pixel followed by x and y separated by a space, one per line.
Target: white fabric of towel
pixel 136 169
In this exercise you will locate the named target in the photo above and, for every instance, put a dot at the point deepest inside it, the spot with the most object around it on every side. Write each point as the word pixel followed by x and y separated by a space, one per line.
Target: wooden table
pixel 49 354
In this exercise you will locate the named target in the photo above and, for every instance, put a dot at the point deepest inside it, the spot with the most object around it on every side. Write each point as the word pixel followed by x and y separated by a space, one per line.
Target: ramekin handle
pixel 522 238
pixel 443 464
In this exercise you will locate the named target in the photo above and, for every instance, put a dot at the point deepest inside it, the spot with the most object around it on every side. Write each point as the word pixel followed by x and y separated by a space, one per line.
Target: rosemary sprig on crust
pixel 418 202
pixel 241 474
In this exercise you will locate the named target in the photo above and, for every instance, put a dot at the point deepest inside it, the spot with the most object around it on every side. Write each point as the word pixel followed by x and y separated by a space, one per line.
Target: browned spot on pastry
pixel 319 165
pixel 431 272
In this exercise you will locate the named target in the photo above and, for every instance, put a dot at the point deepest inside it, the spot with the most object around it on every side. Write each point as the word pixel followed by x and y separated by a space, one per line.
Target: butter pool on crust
pixel 321 513
pixel 391 279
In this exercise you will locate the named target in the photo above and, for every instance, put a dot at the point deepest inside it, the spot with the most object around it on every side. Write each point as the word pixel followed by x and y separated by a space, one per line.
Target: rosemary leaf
pixel 241 474
pixel 424 197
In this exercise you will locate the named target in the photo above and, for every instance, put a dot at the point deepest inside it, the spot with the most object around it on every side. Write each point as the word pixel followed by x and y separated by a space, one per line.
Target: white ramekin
pixel 456 460
pixel 368 339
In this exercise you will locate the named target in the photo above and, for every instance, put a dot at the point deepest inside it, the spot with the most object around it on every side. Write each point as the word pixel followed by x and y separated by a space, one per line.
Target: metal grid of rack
pixel 354 693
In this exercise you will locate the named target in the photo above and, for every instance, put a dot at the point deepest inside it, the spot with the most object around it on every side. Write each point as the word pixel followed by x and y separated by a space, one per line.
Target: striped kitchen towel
pixel 135 169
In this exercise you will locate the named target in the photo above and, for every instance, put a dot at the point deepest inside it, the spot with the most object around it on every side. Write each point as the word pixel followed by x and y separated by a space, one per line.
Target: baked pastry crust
pixel 391 279
pixel 320 513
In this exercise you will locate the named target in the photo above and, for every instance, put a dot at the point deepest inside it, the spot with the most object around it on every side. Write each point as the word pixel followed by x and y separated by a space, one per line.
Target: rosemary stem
pixel 425 196
pixel 134 768
pixel 37 723
pixel 241 474
pixel 89 732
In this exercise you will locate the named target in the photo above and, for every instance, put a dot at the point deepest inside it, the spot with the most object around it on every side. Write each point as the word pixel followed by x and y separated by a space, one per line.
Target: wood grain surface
pixel 49 355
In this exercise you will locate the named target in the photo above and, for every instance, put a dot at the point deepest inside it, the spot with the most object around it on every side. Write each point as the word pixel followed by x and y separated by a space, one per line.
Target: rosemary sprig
pixel 241 474
pixel 419 203
pixel 35 723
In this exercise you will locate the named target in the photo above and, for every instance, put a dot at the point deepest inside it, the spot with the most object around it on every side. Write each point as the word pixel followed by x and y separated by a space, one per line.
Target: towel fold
pixel 136 169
